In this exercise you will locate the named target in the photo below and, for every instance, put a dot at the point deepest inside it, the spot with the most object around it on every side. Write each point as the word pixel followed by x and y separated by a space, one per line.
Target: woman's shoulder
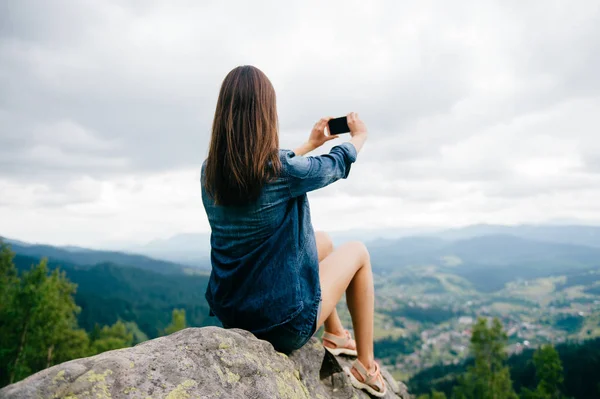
pixel 292 164
pixel 283 153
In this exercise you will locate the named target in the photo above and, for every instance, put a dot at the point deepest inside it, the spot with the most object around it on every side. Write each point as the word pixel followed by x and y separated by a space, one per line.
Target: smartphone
pixel 339 125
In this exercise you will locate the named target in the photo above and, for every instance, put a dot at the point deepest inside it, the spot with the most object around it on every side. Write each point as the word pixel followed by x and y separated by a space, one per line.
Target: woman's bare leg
pixel 333 324
pixel 348 269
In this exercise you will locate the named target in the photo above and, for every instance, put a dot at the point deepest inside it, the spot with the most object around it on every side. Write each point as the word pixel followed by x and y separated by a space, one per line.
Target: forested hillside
pixel 580 363
pixel 41 321
pixel 109 292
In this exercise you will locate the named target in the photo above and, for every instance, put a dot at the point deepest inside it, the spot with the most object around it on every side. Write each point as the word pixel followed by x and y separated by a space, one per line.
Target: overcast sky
pixel 478 111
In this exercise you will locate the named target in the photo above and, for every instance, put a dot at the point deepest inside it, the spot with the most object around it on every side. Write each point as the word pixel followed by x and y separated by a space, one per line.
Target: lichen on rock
pixel 207 362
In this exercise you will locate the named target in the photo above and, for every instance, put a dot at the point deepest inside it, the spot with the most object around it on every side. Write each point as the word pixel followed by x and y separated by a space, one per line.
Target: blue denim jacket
pixel 264 255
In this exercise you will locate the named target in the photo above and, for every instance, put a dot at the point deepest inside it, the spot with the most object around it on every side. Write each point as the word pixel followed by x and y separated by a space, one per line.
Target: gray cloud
pixel 489 106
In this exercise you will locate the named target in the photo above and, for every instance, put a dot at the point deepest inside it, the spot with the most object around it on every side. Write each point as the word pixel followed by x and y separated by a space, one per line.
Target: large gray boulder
pixel 207 362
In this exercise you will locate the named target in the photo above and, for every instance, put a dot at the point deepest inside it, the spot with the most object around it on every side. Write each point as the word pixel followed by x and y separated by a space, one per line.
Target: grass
pixel 505 307
pixel 400 375
pixel 383 324
pixel 455 285
pixel 591 327
pixel 451 261
pixel 576 291
pixel 539 290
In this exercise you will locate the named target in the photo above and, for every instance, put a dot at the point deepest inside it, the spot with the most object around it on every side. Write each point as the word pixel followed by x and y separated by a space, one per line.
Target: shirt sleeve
pixel 311 173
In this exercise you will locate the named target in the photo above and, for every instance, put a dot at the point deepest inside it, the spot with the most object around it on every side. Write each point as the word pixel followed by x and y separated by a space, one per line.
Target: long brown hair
pixel 243 153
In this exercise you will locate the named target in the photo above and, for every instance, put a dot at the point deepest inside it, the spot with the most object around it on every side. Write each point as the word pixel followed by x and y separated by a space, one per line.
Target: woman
pixel 271 274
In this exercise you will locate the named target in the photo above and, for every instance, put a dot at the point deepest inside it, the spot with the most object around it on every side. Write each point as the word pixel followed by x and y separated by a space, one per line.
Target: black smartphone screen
pixel 338 125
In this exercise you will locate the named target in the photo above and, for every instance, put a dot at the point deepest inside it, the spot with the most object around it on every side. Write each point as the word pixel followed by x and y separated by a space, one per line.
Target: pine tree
pixel 488 378
pixel 549 372
pixel 177 322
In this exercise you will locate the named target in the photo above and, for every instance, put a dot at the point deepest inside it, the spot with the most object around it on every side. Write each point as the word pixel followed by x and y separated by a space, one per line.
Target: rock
pixel 207 362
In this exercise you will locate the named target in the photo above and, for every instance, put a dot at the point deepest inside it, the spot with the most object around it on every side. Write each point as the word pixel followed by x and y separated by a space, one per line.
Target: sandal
pixel 372 383
pixel 343 345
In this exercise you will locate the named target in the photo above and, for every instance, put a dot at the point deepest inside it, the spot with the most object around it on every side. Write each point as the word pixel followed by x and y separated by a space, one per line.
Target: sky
pixel 478 112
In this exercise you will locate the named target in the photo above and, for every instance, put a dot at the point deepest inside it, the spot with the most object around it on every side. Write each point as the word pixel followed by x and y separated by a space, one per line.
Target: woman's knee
pixel 361 251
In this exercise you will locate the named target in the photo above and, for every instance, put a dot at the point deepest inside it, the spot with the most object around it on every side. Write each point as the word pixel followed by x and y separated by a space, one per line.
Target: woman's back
pixel 238 229
pixel 263 253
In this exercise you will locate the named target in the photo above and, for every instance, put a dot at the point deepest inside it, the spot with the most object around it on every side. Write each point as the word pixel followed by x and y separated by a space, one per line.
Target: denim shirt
pixel 264 258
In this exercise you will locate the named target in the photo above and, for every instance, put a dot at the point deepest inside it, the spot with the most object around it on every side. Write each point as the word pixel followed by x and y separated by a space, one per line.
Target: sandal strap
pixel 375 380
pixel 336 340
pixel 361 369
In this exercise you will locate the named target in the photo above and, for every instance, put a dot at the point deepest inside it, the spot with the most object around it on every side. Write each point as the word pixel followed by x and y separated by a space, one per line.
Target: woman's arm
pixel 311 173
pixel 306 174
pixel 304 149
pixel 317 137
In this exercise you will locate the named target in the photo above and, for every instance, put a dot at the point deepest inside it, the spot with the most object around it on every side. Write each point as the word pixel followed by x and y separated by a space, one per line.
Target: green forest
pixel 39 324
pixel 109 292
pixel 561 372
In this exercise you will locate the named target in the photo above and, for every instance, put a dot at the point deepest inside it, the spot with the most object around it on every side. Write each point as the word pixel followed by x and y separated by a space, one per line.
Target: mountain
pixel 562 234
pixel 488 262
pixel 508 250
pixel 374 235
pixel 88 257
pixel 194 248
pixel 491 250
pixel 190 249
pixel 553 233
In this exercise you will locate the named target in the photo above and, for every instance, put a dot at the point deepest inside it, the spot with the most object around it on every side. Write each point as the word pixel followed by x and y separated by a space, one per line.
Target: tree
pixel 138 335
pixel 177 322
pixel 38 321
pixel 8 278
pixel 73 344
pixel 8 289
pixel 114 337
pixel 488 377
pixel 549 372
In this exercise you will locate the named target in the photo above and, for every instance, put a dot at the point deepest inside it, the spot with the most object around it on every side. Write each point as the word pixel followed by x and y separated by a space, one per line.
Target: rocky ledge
pixel 207 362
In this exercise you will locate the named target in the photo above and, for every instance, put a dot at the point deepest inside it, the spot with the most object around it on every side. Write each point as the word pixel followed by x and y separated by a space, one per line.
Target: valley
pixel 429 290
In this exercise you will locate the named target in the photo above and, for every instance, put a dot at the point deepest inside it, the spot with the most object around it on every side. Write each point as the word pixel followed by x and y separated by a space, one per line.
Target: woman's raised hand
pixel 317 135
pixel 358 131
pixel 357 127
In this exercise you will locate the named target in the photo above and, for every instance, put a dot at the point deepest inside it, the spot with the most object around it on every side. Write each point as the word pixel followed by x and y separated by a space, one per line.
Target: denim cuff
pixel 349 151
